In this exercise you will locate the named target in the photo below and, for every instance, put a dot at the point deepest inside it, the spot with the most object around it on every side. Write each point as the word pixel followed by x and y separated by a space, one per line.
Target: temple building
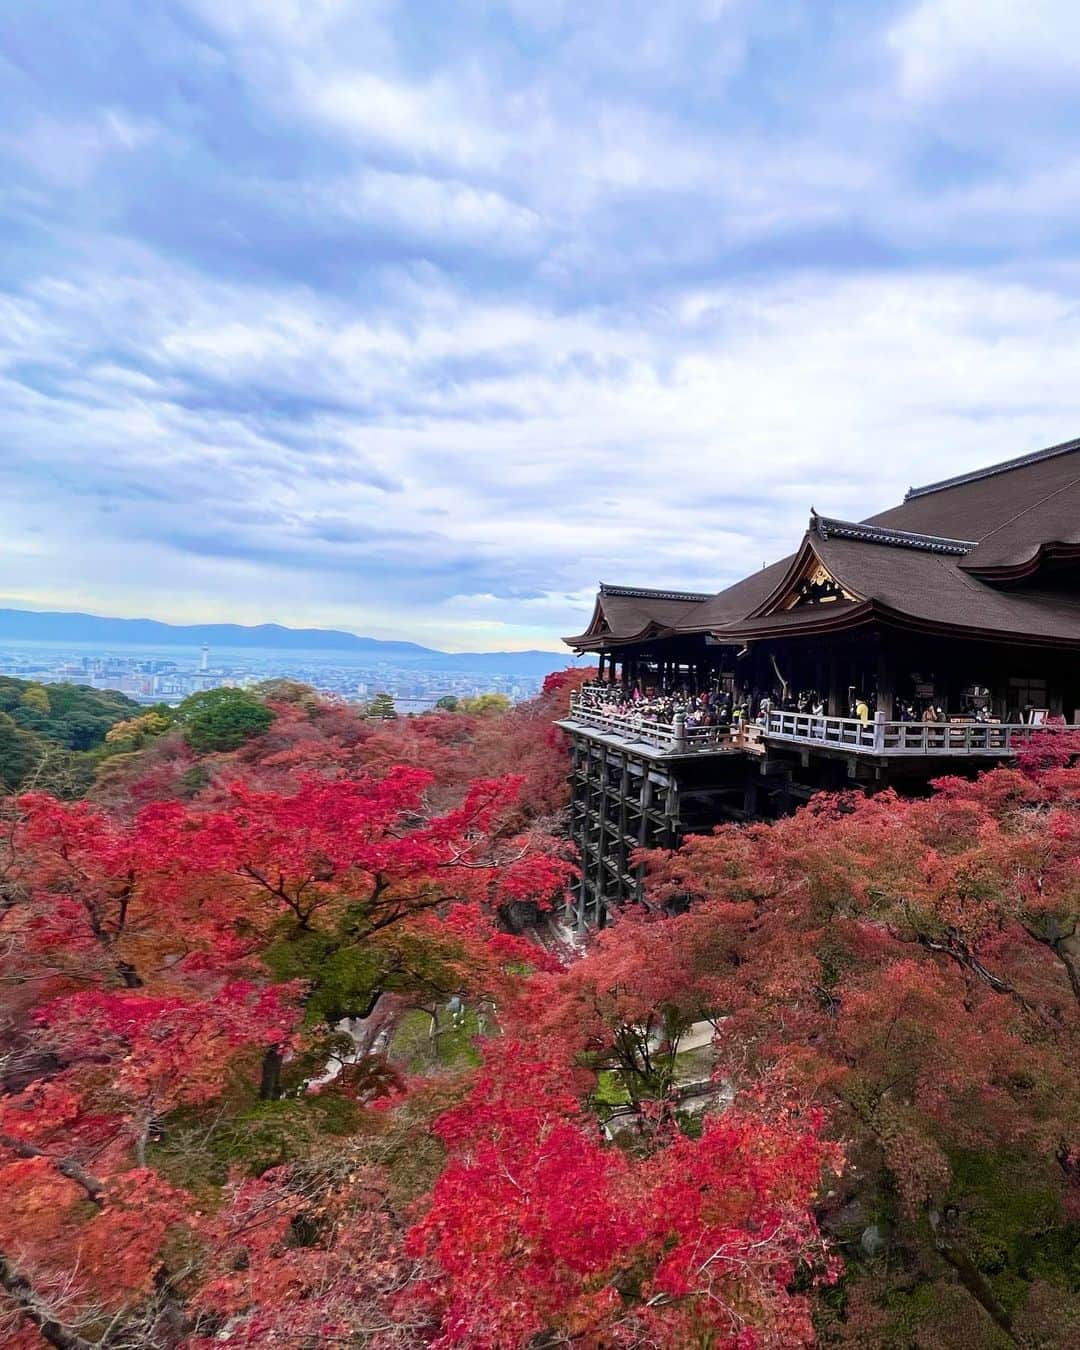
pixel 930 638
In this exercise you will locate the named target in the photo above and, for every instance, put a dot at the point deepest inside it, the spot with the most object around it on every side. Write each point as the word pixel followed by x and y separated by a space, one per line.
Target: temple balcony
pixel 840 735
pixel 640 734
pixel 850 735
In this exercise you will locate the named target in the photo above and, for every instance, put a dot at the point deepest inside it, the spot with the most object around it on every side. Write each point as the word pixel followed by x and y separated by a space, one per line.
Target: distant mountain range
pixel 25 625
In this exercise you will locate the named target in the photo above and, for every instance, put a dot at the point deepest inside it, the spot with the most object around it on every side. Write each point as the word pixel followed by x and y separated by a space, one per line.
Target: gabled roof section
pixel 634 614
pixel 804 566
pixel 810 582
pixel 931 592
pixel 904 579
pixel 783 584
pixel 945 560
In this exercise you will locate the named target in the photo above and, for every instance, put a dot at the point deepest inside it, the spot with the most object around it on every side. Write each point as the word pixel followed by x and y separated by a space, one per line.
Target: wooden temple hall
pixel 930 638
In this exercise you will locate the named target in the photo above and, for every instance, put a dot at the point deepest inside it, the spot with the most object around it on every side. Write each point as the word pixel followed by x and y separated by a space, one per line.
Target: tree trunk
pixel 129 975
pixel 36 1310
pixel 1068 953
pixel 972 1278
pixel 67 1167
pixel 270 1085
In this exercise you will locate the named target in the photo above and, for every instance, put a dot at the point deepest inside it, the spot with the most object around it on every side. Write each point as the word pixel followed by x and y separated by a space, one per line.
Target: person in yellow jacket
pixel 862 710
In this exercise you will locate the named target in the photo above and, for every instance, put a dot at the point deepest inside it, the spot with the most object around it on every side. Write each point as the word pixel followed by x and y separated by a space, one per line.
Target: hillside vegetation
pixel 297 1053
pixel 55 733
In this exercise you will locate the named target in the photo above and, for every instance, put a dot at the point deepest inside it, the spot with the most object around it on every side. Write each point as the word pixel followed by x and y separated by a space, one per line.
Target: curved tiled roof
pixel 878 534
pixel 993 470
pixel 936 562
pixel 634 613
pixel 1049 528
pixel 932 590
pixel 974 505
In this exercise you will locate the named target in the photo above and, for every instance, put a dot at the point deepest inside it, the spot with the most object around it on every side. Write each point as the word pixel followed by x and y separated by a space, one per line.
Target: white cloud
pixel 422 121
pixel 67 153
pixel 684 453
pixel 423 327
pixel 290 21
pixel 437 209
pixel 945 47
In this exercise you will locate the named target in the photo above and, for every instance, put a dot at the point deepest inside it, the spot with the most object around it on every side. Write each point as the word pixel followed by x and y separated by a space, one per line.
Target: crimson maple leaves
pixel 160 960
pixel 199 1146
pixel 912 966
pixel 538 1227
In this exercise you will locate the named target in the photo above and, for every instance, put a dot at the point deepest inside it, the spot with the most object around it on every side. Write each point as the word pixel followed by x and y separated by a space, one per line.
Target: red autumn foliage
pixel 161 955
pixel 538 1227
pixel 196 1149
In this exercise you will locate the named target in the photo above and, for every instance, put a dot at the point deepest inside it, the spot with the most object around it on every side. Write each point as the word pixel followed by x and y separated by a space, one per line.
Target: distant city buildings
pixel 170 675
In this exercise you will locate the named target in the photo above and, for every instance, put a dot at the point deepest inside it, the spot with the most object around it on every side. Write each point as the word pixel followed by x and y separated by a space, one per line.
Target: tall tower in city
pixel 204 659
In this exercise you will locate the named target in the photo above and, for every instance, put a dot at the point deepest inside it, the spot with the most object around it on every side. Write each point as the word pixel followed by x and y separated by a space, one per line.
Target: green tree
pixel 133 733
pixel 222 719
pixel 382 705
pixel 55 737
pixel 486 704
pixel 448 703
pixel 36 696
pixel 20 752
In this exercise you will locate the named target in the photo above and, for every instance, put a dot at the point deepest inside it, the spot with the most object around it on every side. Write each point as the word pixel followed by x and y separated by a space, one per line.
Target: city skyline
pixel 419 323
pixel 153 675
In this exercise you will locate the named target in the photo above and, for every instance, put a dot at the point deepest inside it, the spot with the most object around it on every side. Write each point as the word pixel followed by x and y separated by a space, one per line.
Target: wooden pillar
pixel 837 694
pixel 622 852
pixel 579 829
pixel 646 806
pixel 886 678
pixel 671 812
pixel 750 796
pixel 601 837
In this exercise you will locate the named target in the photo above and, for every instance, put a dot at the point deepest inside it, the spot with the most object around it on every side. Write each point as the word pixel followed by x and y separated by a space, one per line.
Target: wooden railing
pixel 879 737
pixel 674 737
pixel 876 737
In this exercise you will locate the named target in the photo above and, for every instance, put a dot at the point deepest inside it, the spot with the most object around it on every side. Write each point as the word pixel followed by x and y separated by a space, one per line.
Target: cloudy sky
pixel 418 319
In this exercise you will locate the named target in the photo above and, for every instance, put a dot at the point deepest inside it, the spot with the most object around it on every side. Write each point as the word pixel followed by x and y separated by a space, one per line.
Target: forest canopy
pixel 54 729
pixel 298 1050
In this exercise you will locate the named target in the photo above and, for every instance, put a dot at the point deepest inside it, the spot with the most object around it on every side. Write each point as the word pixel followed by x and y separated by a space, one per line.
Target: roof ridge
pixel 976 474
pixel 650 593
pixel 828 527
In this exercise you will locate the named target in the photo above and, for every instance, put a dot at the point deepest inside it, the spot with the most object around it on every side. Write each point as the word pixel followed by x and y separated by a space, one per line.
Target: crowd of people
pixel 714 708
pixel 719 708
pixel 711 708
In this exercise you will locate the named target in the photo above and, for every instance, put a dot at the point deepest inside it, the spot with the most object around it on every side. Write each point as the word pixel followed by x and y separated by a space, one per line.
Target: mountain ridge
pixel 28 625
